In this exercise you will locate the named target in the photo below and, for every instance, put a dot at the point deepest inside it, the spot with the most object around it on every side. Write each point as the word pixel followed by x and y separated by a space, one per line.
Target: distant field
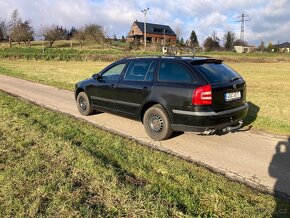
pixel 268 86
pixel 52 165
pixel 62 51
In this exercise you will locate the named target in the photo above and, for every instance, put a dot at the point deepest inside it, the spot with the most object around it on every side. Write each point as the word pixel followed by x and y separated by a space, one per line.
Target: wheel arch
pixel 150 104
pixel 79 89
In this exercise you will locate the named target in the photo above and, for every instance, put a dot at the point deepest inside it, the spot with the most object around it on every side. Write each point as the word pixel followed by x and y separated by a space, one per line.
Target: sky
pixel 269 20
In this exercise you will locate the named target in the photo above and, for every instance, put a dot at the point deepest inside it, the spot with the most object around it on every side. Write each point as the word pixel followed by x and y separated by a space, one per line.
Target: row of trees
pixel 21 31
pixel 212 42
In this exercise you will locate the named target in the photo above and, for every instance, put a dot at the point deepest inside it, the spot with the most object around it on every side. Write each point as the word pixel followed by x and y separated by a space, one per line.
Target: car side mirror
pixel 96 76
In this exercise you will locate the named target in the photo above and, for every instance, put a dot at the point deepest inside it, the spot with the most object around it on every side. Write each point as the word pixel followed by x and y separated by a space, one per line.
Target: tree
pixel 239 42
pixel 261 47
pixel 193 39
pixel 80 36
pixel 3 30
pixel 208 44
pixel 178 32
pixel 115 37
pixel 95 33
pixel 123 39
pixel 20 31
pixel 229 39
pixel 271 47
pixel 181 41
pixel 52 34
pixel 15 19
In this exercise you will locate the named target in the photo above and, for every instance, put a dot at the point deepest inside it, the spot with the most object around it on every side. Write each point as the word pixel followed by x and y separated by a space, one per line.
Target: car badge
pixel 235 86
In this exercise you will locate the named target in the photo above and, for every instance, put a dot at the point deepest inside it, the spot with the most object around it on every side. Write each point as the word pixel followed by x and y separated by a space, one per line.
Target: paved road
pixel 260 160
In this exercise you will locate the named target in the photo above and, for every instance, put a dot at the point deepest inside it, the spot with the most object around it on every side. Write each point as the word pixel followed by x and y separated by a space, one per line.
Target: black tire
pixel 84 105
pixel 157 123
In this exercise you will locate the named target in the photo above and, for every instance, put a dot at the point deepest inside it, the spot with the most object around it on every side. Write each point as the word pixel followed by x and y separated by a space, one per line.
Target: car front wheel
pixel 84 105
pixel 157 123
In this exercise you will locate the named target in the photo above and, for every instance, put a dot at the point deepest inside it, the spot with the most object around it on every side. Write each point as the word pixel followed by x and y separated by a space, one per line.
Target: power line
pixel 242 19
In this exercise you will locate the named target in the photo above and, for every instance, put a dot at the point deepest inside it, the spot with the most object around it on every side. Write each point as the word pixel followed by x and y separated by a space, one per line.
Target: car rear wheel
pixel 84 105
pixel 157 123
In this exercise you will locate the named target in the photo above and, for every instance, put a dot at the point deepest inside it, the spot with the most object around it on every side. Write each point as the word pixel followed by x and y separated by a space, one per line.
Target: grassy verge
pixel 55 165
pixel 268 86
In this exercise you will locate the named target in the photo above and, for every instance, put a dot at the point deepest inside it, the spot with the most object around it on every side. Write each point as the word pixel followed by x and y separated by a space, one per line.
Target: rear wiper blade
pixel 235 78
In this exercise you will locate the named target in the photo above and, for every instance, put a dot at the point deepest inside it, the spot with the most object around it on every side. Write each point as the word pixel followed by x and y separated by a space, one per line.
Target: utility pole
pixel 242 19
pixel 145 13
pixel 214 38
pixel 164 43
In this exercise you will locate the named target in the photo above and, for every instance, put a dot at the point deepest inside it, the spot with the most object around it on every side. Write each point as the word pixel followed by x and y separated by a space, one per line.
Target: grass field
pixel 267 85
pixel 56 166
pixel 62 51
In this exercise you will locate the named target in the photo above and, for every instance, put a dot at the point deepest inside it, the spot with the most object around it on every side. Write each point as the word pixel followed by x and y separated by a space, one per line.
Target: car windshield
pixel 217 72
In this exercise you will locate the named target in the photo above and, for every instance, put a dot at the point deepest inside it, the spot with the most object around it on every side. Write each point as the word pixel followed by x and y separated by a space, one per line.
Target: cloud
pixel 269 19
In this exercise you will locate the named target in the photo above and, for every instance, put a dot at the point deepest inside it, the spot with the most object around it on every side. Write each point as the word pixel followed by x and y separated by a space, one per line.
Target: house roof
pixel 152 28
pixel 284 45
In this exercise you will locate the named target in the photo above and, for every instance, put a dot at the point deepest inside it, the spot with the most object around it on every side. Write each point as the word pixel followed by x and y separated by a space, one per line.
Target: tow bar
pixel 231 128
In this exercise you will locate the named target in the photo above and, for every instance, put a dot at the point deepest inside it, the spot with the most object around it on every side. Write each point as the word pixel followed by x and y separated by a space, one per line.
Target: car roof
pixel 180 58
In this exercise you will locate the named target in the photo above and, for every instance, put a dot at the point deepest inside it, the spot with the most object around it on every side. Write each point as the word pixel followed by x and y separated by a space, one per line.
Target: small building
pixel 155 33
pixel 284 47
pixel 244 49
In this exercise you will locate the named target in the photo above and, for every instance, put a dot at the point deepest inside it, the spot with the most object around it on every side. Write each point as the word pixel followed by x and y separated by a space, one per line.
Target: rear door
pixel 135 86
pixel 228 88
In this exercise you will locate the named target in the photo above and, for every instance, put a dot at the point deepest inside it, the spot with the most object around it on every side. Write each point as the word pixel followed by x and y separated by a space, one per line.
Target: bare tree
pixel 20 31
pixel 95 33
pixel 3 30
pixel 15 19
pixel 52 34
pixel 80 36
pixel 178 32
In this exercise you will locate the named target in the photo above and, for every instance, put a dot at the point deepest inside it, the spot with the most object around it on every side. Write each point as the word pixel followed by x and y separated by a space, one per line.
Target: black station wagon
pixel 167 94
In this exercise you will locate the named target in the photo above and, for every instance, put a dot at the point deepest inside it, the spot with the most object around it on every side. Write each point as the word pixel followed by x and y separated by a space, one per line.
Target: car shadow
pixel 279 168
pixel 251 115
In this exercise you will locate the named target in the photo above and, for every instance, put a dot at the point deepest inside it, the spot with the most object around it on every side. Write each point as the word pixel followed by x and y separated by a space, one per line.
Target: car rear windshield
pixel 217 72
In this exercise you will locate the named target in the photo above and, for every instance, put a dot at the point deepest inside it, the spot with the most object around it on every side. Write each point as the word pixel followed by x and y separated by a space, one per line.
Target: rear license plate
pixel 232 96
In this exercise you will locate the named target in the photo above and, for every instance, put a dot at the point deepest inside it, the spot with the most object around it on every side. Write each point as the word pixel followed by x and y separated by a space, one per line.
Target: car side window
pixel 140 70
pixel 174 72
pixel 114 72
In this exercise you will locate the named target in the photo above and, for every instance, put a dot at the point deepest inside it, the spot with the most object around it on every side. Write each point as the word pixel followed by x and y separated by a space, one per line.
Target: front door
pixel 102 91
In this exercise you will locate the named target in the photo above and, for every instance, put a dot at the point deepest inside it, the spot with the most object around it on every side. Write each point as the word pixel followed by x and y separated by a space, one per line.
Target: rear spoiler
pixel 206 61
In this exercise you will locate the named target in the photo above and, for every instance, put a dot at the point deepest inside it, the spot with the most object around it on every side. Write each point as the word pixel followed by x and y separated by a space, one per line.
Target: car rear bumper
pixel 201 121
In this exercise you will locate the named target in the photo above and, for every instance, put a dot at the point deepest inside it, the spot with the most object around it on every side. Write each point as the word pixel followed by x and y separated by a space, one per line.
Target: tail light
pixel 202 95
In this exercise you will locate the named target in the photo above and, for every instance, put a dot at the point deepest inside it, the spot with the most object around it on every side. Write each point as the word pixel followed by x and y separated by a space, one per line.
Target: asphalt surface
pixel 260 160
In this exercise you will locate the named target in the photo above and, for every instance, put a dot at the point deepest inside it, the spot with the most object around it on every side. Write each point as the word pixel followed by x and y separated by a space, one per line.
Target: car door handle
pixel 145 88
pixel 113 85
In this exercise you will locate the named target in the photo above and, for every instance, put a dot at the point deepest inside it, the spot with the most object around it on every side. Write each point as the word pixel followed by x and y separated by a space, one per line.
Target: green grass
pixel 61 51
pixel 54 165
pixel 267 85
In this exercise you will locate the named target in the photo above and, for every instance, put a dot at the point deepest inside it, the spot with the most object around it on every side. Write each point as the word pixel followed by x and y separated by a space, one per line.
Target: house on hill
pixel 284 47
pixel 155 33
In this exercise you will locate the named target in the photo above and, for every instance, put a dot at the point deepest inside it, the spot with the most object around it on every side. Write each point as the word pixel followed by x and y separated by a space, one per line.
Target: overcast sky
pixel 269 19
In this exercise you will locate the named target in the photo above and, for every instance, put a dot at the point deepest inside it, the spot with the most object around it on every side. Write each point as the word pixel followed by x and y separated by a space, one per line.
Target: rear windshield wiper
pixel 235 78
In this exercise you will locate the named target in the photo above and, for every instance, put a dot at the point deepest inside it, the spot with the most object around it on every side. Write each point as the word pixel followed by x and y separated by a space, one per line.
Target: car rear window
pixel 217 72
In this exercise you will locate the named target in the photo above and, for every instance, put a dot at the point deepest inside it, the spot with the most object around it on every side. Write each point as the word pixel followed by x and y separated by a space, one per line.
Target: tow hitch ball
pixel 233 127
